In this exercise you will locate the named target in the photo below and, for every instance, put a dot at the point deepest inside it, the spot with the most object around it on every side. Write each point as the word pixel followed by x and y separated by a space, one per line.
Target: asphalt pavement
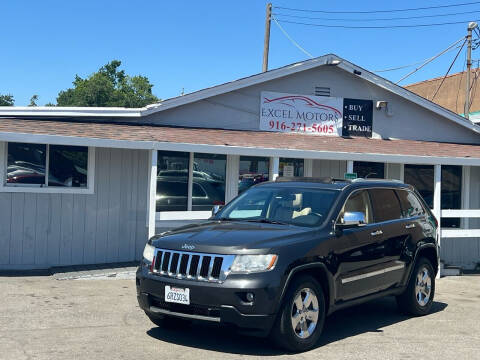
pixel 42 317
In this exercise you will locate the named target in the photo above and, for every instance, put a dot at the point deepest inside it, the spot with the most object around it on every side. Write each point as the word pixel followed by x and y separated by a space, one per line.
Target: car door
pixel 356 250
pixel 416 223
pixel 394 230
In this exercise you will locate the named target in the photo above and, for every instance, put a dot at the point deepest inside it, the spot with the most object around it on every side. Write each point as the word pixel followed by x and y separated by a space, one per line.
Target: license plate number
pixel 177 295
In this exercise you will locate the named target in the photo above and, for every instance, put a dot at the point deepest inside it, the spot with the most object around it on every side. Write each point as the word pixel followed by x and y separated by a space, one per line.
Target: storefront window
pixel 253 170
pixel 208 181
pixel 27 164
pixel 290 167
pixel 451 193
pixel 68 166
pixel 172 181
pixel 366 169
pixel 422 177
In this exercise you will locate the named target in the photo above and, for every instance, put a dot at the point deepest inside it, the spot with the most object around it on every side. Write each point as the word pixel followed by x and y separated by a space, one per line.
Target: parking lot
pixel 45 318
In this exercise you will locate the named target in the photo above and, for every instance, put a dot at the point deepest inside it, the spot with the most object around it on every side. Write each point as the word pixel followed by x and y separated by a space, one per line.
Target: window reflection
pixel 208 181
pixel 290 167
pixel 68 166
pixel 421 177
pixel 451 193
pixel 367 169
pixel 253 170
pixel 26 164
pixel 172 181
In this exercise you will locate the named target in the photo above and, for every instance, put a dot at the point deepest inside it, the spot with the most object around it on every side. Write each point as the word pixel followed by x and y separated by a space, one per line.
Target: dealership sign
pixel 315 115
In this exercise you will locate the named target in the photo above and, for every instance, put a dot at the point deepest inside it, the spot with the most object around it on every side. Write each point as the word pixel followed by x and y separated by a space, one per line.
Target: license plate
pixel 177 295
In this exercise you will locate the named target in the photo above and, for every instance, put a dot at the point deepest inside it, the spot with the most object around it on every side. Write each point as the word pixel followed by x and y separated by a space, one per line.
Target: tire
pixel 309 322
pixel 417 299
pixel 169 322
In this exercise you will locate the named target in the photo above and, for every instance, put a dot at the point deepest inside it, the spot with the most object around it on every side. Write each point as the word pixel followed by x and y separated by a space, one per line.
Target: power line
pixel 430 60
pixel 410 65
pixel 449 68
pixel 375 27
pixel 376 11
pixel 375 19
pixel 291 39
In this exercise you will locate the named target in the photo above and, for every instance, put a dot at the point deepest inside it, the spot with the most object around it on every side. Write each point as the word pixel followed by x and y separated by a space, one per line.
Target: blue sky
pixel 197 44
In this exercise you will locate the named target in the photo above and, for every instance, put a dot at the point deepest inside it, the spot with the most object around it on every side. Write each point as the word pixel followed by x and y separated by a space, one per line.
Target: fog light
pixel 250 297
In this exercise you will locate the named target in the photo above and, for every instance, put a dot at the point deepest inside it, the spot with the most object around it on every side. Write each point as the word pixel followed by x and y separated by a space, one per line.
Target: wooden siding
pixel 44 230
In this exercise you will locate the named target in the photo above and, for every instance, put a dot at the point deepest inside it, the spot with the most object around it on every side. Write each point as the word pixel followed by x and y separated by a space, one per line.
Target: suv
pixel 283 255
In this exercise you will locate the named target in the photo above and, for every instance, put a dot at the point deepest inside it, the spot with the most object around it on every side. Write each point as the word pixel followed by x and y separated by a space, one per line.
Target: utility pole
pixel 266 43
pixel 472 25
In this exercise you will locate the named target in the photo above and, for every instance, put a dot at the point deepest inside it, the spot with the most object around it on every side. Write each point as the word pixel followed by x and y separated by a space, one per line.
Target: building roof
pixel 326 60
pixel 452 93
pixel 220 141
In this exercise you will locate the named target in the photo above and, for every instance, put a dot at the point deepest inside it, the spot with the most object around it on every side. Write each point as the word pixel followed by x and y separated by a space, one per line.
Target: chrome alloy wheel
pixel 423 286
pixel 304 314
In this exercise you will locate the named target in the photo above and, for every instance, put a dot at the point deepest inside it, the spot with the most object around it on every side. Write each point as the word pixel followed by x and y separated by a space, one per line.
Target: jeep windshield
pixel 280 205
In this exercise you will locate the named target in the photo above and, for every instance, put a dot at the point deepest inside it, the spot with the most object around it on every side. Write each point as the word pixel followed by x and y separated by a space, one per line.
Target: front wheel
pixel 299 323
pixel 417 298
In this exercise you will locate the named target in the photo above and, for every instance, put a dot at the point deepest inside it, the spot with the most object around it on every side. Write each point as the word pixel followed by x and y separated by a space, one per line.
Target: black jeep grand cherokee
pixel 283 255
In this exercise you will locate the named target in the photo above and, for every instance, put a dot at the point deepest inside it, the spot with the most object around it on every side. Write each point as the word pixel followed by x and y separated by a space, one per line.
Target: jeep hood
pixel 230 237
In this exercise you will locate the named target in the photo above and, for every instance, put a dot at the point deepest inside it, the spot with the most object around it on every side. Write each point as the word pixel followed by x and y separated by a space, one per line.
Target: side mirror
pixel 352 219
pixel 216 209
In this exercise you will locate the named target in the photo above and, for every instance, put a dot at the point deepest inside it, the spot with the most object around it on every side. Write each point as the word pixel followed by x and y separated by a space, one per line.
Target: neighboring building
pixel 89 185
pixel 452 93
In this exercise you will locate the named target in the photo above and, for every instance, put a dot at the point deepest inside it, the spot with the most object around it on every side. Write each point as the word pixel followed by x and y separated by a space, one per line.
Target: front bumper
pixel 223 303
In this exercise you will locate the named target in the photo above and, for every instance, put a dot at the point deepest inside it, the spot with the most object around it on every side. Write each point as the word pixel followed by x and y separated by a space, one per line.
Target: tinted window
pixel 167 189
pixel 451 192
pixel 421 177
pixel 367 169
pixel 68 166
pixel 208 181
pixel 358 201
pixel 385 205
pixel 290 167
pixel 411 206
pixel 172 180
pixel 26 163
pixel 198 191
pixel 253 170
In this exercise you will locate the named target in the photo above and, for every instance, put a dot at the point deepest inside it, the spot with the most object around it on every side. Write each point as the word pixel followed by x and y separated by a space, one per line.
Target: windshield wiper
pixel 268 221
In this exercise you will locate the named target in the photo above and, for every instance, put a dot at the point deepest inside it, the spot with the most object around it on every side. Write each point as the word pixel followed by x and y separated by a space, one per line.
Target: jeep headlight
pixel 149 252
pixel 253 263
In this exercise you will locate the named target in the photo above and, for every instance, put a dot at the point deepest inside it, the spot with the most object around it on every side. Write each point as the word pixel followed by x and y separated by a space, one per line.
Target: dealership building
pixel 90 185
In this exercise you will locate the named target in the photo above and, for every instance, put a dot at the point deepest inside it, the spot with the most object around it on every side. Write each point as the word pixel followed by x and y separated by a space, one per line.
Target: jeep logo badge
pixel 188 247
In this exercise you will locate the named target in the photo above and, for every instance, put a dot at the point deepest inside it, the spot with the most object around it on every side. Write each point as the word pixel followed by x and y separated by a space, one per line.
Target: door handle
pixel 375 233
pixel 409 226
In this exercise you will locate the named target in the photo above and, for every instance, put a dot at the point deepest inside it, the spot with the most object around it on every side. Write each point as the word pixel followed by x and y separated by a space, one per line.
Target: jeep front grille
pixel 192 266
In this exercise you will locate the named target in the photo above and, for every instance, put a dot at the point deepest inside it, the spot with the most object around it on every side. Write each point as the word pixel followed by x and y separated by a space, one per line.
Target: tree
pixel 33 100
pixel 108 87
pixel 6 100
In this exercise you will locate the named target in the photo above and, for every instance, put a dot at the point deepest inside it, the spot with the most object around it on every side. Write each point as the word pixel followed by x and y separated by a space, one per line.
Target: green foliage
pixel 6 100
pixel 33 100
pixel 108 87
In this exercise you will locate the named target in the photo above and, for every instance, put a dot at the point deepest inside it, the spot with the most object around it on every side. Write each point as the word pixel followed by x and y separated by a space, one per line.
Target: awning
pixel 237 142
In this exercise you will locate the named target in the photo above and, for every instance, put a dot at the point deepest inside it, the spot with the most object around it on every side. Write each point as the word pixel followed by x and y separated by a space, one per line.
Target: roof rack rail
pixel 324 180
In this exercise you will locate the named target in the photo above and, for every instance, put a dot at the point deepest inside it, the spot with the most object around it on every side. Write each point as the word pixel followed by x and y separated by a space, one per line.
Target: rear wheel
pixel 299 323
pixel 417 299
